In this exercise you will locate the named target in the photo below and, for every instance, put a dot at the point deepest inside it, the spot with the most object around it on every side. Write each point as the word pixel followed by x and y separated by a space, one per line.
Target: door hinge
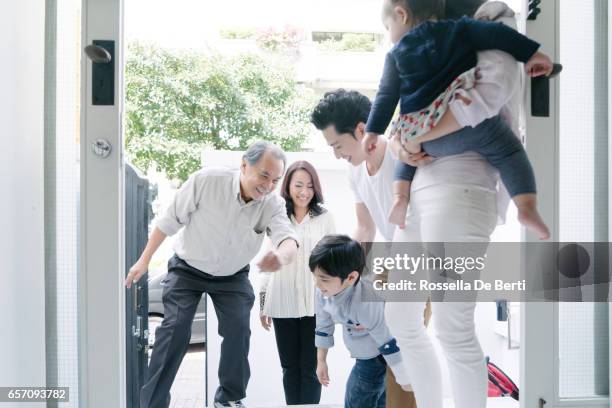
pixel 534 10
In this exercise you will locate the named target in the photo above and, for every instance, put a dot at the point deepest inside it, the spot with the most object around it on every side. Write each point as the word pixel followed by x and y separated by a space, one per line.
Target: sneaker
pixel 229 404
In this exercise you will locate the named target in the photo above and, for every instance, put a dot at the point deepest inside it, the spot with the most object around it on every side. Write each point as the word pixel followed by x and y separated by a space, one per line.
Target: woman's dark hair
pixel 337 255
pixel 342 109
pixel 315 204
pixel 455 9
pixel 422 10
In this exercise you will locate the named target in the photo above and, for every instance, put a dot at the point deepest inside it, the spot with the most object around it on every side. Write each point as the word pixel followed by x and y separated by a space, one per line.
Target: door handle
pixel 102 53
pixel 540 93
pixel 135 298
pixel 98 54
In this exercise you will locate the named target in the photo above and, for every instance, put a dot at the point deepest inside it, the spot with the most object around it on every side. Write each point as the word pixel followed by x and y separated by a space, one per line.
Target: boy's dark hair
pixel 342 109
pixel 337 255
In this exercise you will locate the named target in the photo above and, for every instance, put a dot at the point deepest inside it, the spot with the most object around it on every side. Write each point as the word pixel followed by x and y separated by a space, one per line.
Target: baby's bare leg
pixel 401 197
pixel 529 216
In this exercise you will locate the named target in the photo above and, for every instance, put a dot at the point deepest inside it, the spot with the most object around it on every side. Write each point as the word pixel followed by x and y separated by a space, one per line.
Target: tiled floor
pixel 188 388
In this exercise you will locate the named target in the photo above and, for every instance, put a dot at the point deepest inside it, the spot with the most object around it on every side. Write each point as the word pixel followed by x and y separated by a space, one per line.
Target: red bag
pixel 500 385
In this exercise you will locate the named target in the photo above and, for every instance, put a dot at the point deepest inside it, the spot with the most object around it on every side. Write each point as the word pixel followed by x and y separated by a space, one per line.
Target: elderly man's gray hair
pixel 258 148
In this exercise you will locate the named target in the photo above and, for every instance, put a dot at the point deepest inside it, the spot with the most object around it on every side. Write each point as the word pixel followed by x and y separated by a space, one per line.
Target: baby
pixel 431 63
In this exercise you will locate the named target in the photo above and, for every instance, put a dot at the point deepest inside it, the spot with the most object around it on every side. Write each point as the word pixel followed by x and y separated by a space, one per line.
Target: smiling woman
pixel 287 296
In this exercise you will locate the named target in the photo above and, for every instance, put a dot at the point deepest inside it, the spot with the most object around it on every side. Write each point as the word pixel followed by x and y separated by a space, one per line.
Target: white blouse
pixel 290 291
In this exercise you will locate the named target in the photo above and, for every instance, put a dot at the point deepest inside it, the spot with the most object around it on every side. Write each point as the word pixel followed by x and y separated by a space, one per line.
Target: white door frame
pixel 538 323
pixel 609 178
pixel 101 293
pixel 539 378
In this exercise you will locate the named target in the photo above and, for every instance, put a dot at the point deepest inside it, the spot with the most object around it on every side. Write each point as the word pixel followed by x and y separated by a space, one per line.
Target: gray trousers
pixel 233 300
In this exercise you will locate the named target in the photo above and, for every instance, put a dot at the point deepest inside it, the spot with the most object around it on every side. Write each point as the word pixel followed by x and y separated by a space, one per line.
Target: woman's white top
pixel 290 291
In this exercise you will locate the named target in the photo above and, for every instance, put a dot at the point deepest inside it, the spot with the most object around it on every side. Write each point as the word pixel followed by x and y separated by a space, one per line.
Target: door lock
pixel 101 148
pixel 137 330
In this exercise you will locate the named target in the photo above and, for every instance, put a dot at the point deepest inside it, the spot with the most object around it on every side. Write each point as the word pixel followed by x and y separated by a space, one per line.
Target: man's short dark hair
pixel 337 255
pixel 342 109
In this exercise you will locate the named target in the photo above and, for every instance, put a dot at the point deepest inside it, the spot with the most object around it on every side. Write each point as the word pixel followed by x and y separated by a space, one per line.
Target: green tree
pixel 178 103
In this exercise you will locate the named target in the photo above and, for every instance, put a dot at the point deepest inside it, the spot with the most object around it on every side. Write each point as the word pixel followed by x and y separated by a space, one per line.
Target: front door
pixel 565 347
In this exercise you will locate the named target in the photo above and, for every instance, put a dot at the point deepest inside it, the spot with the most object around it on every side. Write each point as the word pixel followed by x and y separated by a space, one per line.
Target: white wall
pixel 22 279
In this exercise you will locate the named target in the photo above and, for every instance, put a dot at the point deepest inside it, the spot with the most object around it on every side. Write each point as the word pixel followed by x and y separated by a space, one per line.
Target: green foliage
pixel 178 103
pixel 238 33
pixel 359 42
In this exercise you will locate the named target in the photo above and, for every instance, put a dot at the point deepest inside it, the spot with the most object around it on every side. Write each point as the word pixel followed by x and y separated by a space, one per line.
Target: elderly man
pixel 221 216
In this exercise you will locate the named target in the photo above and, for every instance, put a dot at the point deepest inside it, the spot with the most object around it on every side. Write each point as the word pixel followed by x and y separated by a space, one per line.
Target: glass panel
pixel 62 112
pixel 583 205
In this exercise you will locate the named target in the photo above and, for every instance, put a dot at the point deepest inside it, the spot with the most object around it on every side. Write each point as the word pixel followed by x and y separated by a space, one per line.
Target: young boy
pixel 337 263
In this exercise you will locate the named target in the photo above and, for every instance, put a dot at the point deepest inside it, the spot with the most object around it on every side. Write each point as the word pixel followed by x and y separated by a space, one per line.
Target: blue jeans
pixel 366 385
pixel 496 142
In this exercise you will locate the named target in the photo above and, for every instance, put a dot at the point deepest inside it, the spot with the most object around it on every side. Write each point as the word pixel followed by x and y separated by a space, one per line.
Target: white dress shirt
pixel 290 290
pixel 218 232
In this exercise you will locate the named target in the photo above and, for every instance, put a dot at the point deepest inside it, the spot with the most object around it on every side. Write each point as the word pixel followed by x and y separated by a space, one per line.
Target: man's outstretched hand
pixel 271 262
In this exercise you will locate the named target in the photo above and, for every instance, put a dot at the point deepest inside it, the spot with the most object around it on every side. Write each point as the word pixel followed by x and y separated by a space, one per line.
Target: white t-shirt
pixel 376 192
